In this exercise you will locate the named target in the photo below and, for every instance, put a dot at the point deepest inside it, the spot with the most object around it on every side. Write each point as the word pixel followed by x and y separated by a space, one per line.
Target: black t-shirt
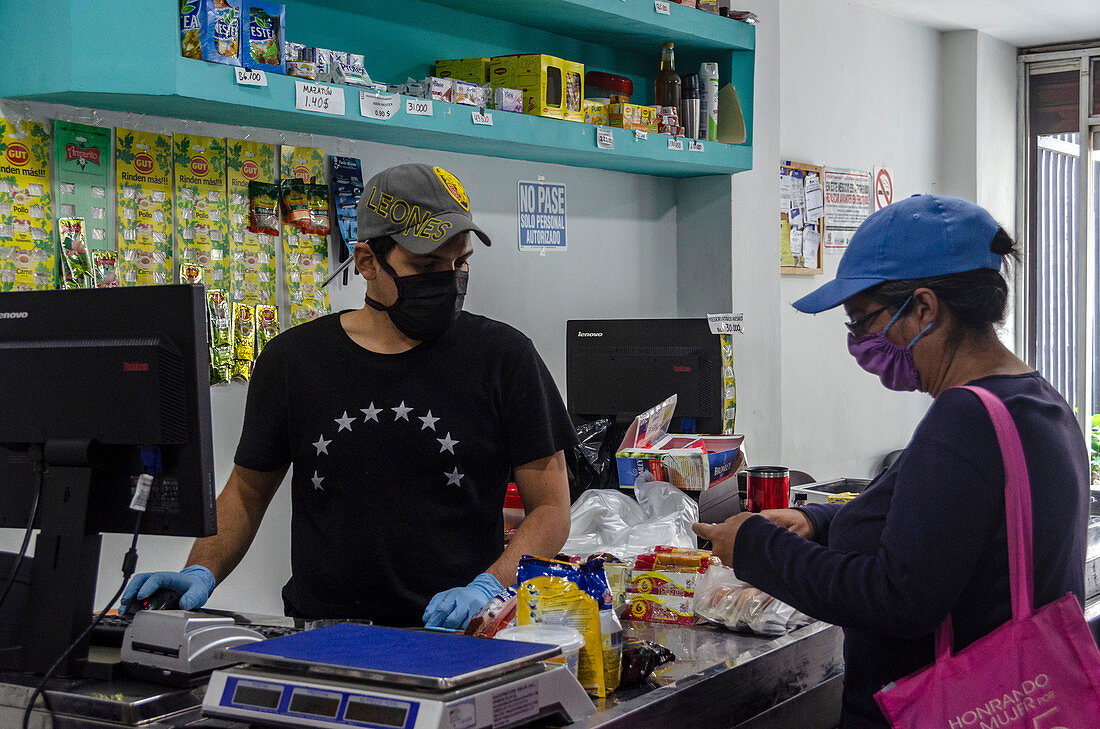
pixel 927 538
pixel 400 461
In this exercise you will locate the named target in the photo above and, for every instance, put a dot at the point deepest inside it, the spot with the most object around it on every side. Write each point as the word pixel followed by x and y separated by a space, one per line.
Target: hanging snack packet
pixel 240 370
pixel 217 306
pixel 295 203
pixel 76 266
pixel 263 199
pixel 220 32
pixel 244 332
pixel 105 269
pixel 262 27
pixel 319 221
pixel 267 326
pixel 347 187
pixel 219 375
pixel 190 273
pixel 559 593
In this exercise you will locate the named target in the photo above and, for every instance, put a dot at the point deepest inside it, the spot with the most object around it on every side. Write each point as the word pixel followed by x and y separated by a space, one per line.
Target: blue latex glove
pixel 453 608
pixel 194 584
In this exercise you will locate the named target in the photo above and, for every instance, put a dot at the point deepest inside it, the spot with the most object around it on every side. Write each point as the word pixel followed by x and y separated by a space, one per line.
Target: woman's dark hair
pixel 976 299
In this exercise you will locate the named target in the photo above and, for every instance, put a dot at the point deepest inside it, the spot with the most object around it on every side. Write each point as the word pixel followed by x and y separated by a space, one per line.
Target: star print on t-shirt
pixel 371 413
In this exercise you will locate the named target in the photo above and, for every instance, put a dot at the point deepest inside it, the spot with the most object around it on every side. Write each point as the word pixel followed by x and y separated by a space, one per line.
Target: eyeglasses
pixel 857 326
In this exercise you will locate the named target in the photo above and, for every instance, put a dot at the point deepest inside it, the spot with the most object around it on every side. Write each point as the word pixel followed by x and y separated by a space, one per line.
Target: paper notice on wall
pixel 786 190
pixel 815 202
pixel 796 242
pixel 798 195
pixel 847 205
pixel 785 257
pixel 811 239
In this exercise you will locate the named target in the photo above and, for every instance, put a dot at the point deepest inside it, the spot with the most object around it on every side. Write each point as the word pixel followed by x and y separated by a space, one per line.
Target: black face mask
pixel 427 303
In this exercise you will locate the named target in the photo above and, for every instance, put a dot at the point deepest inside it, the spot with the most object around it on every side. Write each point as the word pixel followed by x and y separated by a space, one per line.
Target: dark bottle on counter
pixel 666 89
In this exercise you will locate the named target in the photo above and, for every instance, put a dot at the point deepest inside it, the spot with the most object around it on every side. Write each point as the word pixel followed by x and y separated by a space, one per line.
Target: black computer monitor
pixel 90 380
pixel 617 368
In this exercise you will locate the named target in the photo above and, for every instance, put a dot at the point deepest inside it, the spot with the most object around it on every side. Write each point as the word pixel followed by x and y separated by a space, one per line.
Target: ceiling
pixel 1022 23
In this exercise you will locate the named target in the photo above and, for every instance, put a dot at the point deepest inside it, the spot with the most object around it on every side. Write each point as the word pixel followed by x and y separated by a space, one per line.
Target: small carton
pixel 595 112
pixel 475 70
pixel 508 99
pixel 667 609
pixel 632 116
pixel 543 80
pixel 573 109
pixel 350 69
pixel 321 58
pixel 263 25
pixel 440 89
pixel 689 462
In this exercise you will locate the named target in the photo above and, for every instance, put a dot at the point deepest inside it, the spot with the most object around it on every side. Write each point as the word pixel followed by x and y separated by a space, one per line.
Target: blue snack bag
pixel 220 33
pixel 262 30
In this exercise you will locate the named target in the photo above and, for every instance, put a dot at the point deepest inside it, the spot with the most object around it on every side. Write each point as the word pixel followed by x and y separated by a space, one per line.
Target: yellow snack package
pixel 577 596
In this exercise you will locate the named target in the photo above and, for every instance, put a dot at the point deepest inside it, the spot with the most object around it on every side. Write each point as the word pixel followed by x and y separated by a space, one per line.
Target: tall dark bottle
pixel 666 89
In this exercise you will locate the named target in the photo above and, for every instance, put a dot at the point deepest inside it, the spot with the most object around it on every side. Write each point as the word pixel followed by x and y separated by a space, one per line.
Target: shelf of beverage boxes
pixel 124 56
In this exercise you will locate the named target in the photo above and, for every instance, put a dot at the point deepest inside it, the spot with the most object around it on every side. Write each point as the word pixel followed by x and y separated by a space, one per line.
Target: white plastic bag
pixel 723 599
pixel 607 520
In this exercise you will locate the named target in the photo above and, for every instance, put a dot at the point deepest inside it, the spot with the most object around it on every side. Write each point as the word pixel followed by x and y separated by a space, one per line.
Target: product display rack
pixel 125 56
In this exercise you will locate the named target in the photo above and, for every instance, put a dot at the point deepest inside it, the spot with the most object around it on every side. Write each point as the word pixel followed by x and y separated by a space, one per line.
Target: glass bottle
pixel 666 89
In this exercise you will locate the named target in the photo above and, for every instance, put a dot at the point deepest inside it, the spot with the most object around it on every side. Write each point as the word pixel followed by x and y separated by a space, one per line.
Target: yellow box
pixel 632 116
pixel 595 112
pixel 551 86
pixel 475 70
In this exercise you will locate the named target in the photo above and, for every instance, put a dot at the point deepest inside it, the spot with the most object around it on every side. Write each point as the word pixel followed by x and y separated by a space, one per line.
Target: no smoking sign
pixel 884 188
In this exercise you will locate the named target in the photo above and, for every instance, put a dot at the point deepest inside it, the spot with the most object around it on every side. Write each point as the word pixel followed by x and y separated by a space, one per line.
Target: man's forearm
pixel 239 517
pixel 542 533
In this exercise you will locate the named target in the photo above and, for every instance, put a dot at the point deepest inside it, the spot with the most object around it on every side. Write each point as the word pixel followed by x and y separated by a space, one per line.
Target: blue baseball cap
pixel 921 236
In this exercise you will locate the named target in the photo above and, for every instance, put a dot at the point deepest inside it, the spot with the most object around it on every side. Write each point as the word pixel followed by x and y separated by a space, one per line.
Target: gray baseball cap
pixel 419 206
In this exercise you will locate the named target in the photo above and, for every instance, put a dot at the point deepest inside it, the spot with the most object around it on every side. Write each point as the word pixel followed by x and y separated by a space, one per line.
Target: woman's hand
pixel 793 520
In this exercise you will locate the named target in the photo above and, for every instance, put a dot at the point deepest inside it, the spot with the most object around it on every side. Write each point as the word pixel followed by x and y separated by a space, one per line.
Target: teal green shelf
pixel 132 64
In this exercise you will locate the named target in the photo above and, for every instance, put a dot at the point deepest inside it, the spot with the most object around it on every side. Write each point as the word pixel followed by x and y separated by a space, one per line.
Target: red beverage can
pixel 768 487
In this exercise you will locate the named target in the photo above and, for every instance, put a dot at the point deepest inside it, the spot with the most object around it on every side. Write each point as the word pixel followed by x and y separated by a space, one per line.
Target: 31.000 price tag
pixel 418 107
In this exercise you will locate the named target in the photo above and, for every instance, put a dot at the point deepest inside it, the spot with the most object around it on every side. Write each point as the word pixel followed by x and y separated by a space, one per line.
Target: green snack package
pixel 219 375
pixel 217 306
pixel 105 269
pixel 267 326
pixel 76 266
pixel 221 356
pixel 241 370
pixel 82 161
pixel 244 332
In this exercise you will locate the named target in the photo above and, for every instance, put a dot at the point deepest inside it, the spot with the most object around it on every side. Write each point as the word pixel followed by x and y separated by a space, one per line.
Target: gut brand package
pixel 263 45
pixel 305 254
pixel 211 30
pixel 252 266
pixel 143 178
pixel 577 596
pixel 28 256
pixel 82 158
pixel 201 210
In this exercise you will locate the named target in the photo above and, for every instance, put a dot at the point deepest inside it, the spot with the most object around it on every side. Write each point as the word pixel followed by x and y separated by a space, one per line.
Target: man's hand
pixel 194 584
pixel 722 536
pixel 453 608
pixel 793 520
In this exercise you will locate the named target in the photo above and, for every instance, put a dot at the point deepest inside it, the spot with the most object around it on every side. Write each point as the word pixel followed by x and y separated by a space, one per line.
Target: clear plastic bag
pixel 723 599
pixel 607 520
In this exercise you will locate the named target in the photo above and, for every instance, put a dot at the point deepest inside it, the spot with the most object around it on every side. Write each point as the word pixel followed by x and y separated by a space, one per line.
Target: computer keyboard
pixel 110 630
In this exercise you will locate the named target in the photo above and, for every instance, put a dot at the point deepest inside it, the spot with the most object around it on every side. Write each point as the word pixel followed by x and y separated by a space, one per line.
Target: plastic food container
pixel 513 509
pixel 570 640
pixel 616 89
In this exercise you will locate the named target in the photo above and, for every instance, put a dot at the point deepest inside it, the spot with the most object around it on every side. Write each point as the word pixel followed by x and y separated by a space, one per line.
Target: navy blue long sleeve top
pixel 927 538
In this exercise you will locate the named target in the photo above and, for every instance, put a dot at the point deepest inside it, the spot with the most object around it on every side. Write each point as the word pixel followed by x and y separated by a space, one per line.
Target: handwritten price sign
pixel 320 98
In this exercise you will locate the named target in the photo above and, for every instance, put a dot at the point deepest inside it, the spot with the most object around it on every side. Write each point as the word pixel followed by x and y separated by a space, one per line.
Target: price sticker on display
pixel 676 145
pixel 661 7
pixel 604 138
pixel 377 106
pixel 726 323
pixel 639 134
pixel 317 97
pixel 249 77
pixel 418 107
pixel 694 146
pixel 484 119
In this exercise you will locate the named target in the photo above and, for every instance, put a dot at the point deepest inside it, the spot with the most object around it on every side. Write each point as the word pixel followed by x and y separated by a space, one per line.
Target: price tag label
pixel 726 323
pixel 418 107
pixel 483 119
pixel 639 134
pixel 604 138
pixel 695 146
pixel 661 7
pixel 676 145
pixel 377 106
pixel 249 77
pixel 317 97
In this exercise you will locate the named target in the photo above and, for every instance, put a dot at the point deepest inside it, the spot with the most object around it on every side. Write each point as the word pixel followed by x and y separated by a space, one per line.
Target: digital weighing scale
pixel 385 678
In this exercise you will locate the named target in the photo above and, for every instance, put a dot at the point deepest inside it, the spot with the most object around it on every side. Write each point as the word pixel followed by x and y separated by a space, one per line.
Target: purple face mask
pixel 892 363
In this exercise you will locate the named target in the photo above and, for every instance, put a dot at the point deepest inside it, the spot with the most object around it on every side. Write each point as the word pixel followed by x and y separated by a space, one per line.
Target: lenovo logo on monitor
pixel 13 315
pixel 135 366
pixel 589 334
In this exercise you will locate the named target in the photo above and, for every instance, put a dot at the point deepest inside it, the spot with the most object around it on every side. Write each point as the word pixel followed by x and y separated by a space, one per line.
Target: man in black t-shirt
pixel 403 421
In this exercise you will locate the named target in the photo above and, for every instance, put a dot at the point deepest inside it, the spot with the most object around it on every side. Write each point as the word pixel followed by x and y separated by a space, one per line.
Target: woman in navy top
pixel 921 284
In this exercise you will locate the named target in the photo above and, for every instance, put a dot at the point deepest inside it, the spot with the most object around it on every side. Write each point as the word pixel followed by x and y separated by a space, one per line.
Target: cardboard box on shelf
pixel 632 116
pixel 551 86
pixel 474 70
pixel 595 112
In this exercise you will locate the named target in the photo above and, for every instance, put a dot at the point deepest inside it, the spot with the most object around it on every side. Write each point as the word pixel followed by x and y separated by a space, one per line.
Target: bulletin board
pixel 801 218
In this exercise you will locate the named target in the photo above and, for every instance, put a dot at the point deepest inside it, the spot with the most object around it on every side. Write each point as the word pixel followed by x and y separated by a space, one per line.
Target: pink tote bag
pixel 1040 670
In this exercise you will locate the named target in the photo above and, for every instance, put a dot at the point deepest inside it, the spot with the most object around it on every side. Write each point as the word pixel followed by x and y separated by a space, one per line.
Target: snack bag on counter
pixel 495 615
pixel 723 599
pixel 577 596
